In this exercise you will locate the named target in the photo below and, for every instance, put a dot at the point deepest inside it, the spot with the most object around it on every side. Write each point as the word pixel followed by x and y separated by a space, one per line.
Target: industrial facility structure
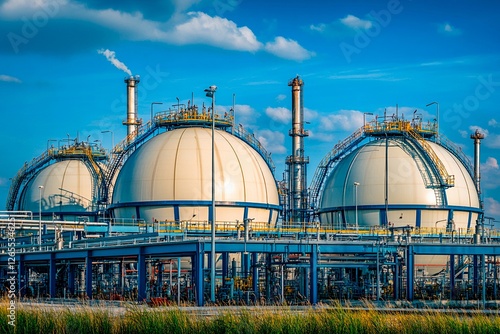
pixel 187 208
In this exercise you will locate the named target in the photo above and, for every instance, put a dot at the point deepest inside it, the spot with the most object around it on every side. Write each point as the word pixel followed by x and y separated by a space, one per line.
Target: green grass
pixel 336 319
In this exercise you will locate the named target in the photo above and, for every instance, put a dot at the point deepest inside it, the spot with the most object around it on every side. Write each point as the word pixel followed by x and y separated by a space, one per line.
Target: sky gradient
pixel 62 65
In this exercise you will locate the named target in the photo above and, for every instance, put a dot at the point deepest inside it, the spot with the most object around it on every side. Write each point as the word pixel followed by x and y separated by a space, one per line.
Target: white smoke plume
pixel 110 55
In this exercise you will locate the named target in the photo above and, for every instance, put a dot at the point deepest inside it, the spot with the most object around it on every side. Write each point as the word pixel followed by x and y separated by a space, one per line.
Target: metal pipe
pixel 40 217
pixel 132 122
pixel 477 136
pixel 210 92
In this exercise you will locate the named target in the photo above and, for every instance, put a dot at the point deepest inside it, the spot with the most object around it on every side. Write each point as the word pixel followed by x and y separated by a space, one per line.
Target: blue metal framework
pixel 197 249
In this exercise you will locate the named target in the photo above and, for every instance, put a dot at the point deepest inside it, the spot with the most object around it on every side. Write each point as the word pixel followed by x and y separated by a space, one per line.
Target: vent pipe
pixel 297 173
pixel 477 136
pixel 132 121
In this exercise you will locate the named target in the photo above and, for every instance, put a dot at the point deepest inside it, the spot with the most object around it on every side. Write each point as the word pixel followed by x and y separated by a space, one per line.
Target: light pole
pixel 210 92
pixel 356 184
pixel 437 116
pixel 364 118
pixel 40 217
pixel 112 138
pixel 153 103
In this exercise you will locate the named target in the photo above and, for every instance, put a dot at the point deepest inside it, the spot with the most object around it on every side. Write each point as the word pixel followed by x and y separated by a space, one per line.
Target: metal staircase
pixel 458 153
pixel 338 151
pixel 446 180
pixel 425 166
pixel 123 150
pixel 24 174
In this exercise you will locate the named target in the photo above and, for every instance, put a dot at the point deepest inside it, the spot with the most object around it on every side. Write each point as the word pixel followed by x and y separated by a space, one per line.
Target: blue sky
pixel 354 57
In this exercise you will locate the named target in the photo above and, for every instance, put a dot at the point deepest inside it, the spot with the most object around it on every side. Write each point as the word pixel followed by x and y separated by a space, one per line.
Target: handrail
pixel 338 150
pixel 447 180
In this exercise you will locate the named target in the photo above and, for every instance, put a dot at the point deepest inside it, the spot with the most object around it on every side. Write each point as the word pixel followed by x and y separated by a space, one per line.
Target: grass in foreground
pixel 266 320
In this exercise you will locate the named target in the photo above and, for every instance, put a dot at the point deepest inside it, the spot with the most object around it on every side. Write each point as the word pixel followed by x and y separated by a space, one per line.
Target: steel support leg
pixel 395 283
pixel 88 276
pixel 52 275
pixel 452 277
pixel 141 276
pixel 255 275
pixel 198 276
pixel 21 276
pixel 313 297
pixel 409 273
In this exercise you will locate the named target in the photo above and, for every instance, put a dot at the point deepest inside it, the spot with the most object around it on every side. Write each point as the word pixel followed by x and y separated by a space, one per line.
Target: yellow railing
pixel 449 180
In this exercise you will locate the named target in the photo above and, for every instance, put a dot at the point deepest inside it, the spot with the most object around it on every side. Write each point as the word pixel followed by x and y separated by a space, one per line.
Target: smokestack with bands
pixel 477 136
pixel 132 121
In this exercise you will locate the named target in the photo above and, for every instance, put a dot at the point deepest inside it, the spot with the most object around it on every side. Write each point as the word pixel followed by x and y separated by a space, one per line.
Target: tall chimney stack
pixel 297 172
pixel 132 121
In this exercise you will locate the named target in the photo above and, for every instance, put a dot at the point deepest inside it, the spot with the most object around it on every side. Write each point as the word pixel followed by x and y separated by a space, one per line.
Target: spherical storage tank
pixel 169 178
pixel 67 190
pixel 359 182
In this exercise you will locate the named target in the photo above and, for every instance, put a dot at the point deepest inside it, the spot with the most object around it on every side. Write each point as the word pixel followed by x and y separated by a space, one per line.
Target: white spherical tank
pixel 169 178
pixel 358 185
pixel 356 191
pixel 64 189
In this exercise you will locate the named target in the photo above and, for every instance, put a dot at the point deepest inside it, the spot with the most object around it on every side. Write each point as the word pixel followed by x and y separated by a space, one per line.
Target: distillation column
pixel 132 121
pixel 297 162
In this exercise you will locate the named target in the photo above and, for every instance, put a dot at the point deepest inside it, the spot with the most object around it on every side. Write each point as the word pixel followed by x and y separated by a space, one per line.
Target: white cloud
pixel 280 97
pixel 490 174
pixel 8 78
pixel 493 141
pixel 279 114
pixel 355 22
pixel 273 141
pixel 180 29
pixel 322 136
pixel 448 29
pixel 320 27
pixel 463 133
pixel 216 31
pixel 288 49
pixel 245 115
pixel 343 120
pixel 491 163
pixel 491 207
pixel 310 115
pixel 493 123
pixel 365 76
pixel 3 181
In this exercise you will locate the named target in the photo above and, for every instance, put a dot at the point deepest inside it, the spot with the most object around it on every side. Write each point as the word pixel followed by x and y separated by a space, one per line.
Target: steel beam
pixel 141 276
pixel 198 274
pixel 410 273
pixel 452 276
pixel 313 297
pixel 52 276
pixel 88 275
pixel 255 275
